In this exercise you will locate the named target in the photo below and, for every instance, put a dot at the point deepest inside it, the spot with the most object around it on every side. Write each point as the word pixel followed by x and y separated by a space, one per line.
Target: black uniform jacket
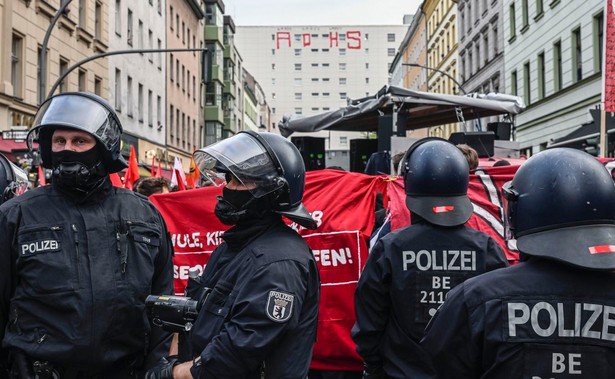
pixel 538 319
pixel 407 276
pixel 74 278
pixel 262 311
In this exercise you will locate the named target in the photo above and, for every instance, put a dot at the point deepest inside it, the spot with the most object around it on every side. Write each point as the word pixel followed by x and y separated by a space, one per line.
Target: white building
pixel 137 81
pixel 309 70
pixel 552 58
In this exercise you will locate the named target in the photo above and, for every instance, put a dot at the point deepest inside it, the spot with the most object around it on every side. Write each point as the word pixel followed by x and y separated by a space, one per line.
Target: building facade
pixel 80 32
pixel 137 80
pixel 214 81
pixel 553 59
pixel 306 70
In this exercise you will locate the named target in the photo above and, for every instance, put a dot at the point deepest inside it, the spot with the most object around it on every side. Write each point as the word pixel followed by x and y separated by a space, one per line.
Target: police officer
pixel 259 293
pixel 410 271
pixel 553 315
pixel 79 257
pixel 13 180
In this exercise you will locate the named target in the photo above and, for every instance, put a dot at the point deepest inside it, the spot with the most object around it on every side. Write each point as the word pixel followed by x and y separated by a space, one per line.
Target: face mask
pixel 78 171
pixel 231 207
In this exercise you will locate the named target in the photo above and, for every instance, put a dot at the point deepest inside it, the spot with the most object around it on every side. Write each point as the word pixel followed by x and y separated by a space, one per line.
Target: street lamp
pixel 437 70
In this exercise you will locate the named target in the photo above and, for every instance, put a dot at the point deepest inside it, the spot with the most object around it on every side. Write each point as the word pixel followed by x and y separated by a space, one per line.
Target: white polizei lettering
pixel 597 311
pixel 447 260
pixel 514 320
pixel 452 264
pixel 561 328
pixel 552 319
pixel 39 246
pixel 608 322
pixel 559 366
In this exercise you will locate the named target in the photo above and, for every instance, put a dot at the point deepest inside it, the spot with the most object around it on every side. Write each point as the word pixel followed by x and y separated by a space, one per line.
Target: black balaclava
pixel 78 173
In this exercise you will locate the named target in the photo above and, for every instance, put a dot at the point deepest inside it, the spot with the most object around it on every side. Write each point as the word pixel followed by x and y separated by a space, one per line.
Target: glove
pixel 374 373
pixel 163 369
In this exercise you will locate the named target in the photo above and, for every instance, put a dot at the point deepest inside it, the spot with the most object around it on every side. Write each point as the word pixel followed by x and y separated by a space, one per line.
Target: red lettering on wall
pixel 281 36
pixel 355 36
pixel 307 39
pixel 333 39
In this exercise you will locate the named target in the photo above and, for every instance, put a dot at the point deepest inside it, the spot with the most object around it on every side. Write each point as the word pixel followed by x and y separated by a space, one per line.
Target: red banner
pixel 608 75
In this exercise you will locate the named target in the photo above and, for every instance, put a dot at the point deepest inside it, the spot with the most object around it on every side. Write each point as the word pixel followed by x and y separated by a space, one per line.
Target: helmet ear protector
pixel 510 209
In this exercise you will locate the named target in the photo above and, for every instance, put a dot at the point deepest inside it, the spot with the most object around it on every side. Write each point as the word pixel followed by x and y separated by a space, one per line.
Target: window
pixel 129 97
pixel 314 79
pixel 486 47
pixel 183 32
pixel 63 69
pixel 343 95
pixel 325 79
pixel 298 96
pixel 140 102
pixel 524 15
pixel 390 37
pixel 151 44
pixel 513 82
pixel 140 31
pixel 171 24
pixel 118 17
pixel 298 81
pixel 159 111
pixel 366 80
pixel 150 108
pixel 118 90
pixel 98 20
pixel 470 63
pixel 314 94
pixel 188 83
pixel 366 66
pixel 557 66
pixel 494 31
pixel 177 77
pixel 159 56
pixel 325 65
pixel 477 47
pixel 391 52
pixel 512 22
pixel 129 28
pixel 342 66
pixel 598 38
pixel 17 65
pixel 342 51
pixel 577 58
pixel 342 81
pixel 171 68
pixel 159 6
pixel 527 91
pixel 171 122
pixel 82 13
pixel 98 85
pixel 176 25
pixel 297 66
pixel 326 94
pixel 343 140
pixel 541 75
pixel 299 110
pixel 297 52
pixel 183 78
pixel 539 8
pixel 81 81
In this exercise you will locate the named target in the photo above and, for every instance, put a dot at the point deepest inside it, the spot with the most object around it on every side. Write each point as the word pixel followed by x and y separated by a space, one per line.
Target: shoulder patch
pixel 279 306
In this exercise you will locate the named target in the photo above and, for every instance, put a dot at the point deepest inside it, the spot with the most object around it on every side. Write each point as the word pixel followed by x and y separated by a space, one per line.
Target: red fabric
pixel 343 205
pixel 41 176
pixel 609 59
pixel 485 193
pixel 152 169
pixel 180 182
pixel 158 171
pixel 132 173
pixel 116 180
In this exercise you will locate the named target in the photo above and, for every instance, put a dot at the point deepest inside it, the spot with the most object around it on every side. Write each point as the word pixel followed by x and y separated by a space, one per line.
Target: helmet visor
pixel 77 111
pixel 243 157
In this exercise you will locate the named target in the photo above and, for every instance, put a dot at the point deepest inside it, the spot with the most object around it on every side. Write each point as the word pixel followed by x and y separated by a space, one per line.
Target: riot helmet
pixel 270 163
pixel 13 180
pixel 561 205
pixel 436 177
pixel 82 111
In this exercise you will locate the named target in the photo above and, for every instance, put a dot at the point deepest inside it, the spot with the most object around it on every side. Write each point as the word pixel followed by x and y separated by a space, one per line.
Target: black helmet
pixel 270 161
pixel 436 177
pixel 13 180
pixel 82 111
pixel 561 205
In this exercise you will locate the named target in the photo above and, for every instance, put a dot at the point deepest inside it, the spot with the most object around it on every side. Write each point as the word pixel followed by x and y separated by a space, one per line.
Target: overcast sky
pixel 319 12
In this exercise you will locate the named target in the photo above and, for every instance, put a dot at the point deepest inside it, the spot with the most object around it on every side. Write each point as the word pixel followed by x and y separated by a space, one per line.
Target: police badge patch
pixel 279 306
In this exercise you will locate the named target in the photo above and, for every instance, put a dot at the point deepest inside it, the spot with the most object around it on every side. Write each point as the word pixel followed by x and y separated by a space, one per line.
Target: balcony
pixel 214 113
pixel 229 52
pixel 213 33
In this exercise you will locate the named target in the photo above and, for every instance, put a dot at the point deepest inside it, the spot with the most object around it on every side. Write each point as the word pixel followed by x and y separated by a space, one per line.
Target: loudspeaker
pixel 500 129
pixel 360 151
pixel 312 151
pixel 482 142
pixel 385 131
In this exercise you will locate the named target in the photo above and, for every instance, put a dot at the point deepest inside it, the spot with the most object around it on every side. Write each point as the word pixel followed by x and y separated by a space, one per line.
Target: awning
pixel 577 137
pixel 9 147
pixel 419 109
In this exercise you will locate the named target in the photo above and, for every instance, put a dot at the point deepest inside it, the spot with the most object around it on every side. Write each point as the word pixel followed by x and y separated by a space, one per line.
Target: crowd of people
pixel 80 258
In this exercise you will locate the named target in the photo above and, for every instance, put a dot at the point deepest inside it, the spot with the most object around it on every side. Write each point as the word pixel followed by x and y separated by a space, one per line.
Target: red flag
pixel 41 176
pixel 193 175
pixel 158 171
pixel 608 74
pixel 152 171
pixel 180 183
pixel 116 180
pixel 132 173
